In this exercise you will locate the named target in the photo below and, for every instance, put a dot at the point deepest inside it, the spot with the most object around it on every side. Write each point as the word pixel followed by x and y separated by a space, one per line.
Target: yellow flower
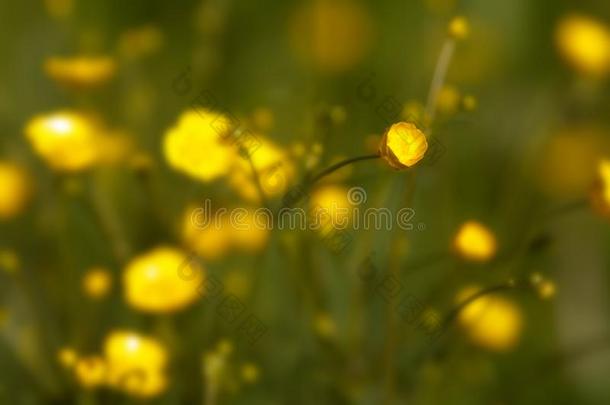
pixel 195 145
pixel 90 371
pixel 475 242
pixel 274 168
pixel 80 72
pixel 208 237
pixel 136 363
pixel 459 28
pixel 67 357
pixel 161 281
pixel 403 145
pixel 97 283
pixel 584 43
pixel 331 35
pixel 489 321
pixel 330 208
pixel 66 140
pixel 250 232
pixel 15 189
pixel 600 196
pixel 249 372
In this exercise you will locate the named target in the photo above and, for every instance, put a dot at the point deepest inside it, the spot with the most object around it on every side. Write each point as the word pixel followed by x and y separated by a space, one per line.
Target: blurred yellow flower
pixel 15 189
pixel 273 166
pixel 331 35
pixel 195 145
pixel 90 371
pixel 330 207
pixel 250 232
pixel 80 72
pixel 66 140
pixel 154 281
pixel 584 43
pixel 475 242
pixel 490 322
pixel 469 103
pixel 249 373
pixel 97 283
pixel 136 363
pixel 209 237
pixel 67 357
pixel 403 145
pixel 600 196
pixel 569 161
pixel 459 28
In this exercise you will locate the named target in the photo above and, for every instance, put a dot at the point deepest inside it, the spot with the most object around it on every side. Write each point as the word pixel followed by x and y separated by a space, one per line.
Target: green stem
pixel 339 165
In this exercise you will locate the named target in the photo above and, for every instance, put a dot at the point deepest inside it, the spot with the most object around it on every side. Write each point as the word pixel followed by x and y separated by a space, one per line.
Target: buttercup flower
pixel 66 140
pixel 600 196
pixel 80 72
pixel 90 371
pixel 195 145
pixel 273 166
pixel 15 189
pixel 136 363
pixel 155 281
pixel 97 283
pixel 208 237
pixel 490 322
pixel 459 28
pixel 403 145
pixel 584 43
pixel 475 242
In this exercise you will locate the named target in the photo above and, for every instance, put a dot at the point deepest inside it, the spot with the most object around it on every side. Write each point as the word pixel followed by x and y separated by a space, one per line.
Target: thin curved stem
pixel 440 72
pixel 339 165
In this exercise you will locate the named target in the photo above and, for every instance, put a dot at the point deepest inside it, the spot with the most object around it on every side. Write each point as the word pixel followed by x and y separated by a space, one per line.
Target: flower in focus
pixel 97 283
pixel 330 207
pixel 90 371
pixel 66 140
pixel 136 364
pixel 15 189
pixel 600 196
pixel 403 145
pixel 458 28
pixel 584 43
pixel 195 145
pixel 490 322
pixel 80 72
pixel 273 166
pixel 475 242
pixel 331 35
pixel 160 282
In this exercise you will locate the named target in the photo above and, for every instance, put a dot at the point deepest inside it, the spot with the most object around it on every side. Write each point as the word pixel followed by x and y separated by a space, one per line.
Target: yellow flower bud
pixel 249 372
pixel 162 280
pixel 80 72
pixel 459 28
pixel 15 190
pixel 584 43
pixel 403 145
pixel 491 322
pixel 475 242
pixel 97 283
pixel 66 140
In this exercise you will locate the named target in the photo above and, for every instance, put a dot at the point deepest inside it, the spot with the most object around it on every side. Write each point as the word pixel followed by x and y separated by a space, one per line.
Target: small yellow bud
pixel 403 145
pixel 469 103
pixel 90 371
pixel 459 28
pixel 67 357
pixel 249 373
pixel 475 242
pixel 97 283
pixel 15 190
